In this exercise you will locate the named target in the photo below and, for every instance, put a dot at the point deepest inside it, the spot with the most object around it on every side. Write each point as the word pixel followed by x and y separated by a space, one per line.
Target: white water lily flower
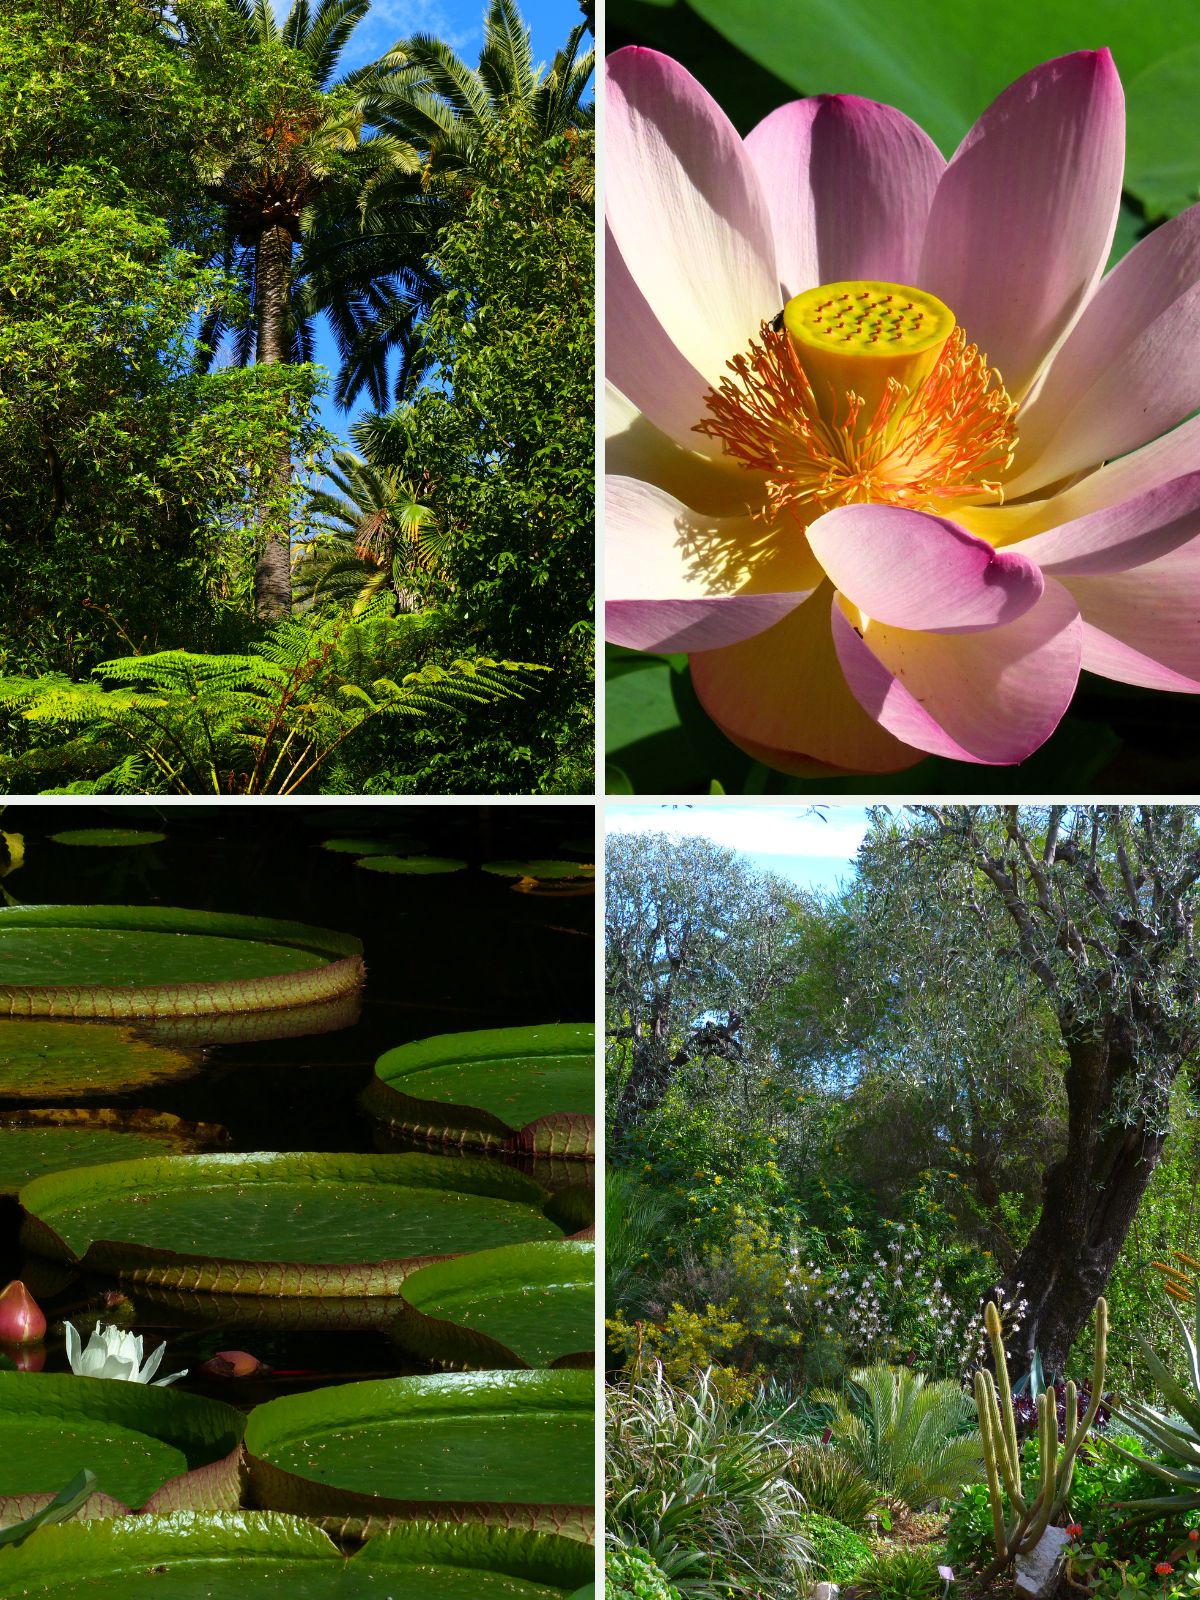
pixel 111 1352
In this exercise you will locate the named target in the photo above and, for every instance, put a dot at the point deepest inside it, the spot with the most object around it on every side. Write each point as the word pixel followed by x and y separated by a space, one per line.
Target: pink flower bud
pixel 22 1320
pixel 232 1364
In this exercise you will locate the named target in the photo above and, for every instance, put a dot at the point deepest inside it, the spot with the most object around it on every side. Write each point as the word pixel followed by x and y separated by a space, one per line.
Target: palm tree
pixel 428 97
pixel 376 535
pixel 297 153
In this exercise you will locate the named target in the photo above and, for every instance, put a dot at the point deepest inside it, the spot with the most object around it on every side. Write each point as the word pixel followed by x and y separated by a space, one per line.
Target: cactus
pixel 1034 1509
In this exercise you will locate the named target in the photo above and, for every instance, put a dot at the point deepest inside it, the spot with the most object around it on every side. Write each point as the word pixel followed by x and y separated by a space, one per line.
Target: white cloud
pixel 834 834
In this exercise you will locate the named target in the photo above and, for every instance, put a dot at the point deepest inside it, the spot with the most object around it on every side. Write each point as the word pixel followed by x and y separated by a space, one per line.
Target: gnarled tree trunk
pixel 1089 1200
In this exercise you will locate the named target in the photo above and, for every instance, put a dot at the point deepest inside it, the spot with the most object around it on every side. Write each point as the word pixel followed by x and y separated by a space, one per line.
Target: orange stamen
pixel 950 437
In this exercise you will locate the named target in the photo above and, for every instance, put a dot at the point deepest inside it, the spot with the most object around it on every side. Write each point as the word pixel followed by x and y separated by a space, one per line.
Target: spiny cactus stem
pixel 989 1424
pixel 995 1329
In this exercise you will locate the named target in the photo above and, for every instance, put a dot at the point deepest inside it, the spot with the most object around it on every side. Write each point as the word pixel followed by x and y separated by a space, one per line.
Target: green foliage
pixel 262 723
pixel 910 1437
pixel 900 1574
pixel 637 1218
pixel 838 1552
pixel 508 451
pixel 702 1488
pixel 833 1484
pixel 631 1574
pixel 1173 1436
pixel 740 1310
pixel 125 475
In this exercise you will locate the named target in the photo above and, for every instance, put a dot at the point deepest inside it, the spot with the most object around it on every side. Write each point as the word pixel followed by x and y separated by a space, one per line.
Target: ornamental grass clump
pixel 703 1490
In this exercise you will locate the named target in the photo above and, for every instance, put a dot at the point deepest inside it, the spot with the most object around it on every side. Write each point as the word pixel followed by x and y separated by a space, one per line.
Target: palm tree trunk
pixel 273 569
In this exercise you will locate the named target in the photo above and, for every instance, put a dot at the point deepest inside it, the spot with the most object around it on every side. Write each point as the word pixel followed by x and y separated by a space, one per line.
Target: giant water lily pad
pixel 412 866
pixel 150 1447
pixel 135 961
pixel 525 1305
pixel 38 1141
pixel 270 1224
pixel 80 1060
pixel 394 845
pixel 503 1447
pixel 544 870
pixel 259 1556
pixel 517 1088
pixel 108 838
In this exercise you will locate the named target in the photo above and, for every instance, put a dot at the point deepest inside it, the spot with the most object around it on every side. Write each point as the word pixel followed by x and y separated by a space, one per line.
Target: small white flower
pixel 111 1352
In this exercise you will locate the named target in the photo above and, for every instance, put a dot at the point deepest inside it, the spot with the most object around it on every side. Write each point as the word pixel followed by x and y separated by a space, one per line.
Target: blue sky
pixel 813 849
pixel 460 24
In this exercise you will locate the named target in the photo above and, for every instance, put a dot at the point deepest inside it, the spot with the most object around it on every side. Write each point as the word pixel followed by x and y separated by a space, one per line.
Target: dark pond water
pixel 443 953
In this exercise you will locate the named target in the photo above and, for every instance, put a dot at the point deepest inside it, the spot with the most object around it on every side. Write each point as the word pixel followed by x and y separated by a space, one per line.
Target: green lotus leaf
pixel 38 1141
pixel 393 845
pixel 417 866
pixel 80 1060
pixel 525 1305
pixel 503 1447
pixel 108 838
pixel 134 961
pixel 151 1448
pixel 519 1088
pixel 540 869
pixel 260 1555
pixel 281 1224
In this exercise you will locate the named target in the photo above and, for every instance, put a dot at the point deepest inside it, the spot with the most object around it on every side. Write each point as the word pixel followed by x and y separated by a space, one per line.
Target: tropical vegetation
pixel 904 1180
pixel 199 200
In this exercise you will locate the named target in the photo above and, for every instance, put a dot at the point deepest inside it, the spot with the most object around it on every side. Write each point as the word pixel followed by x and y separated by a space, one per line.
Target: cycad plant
pixel 912 1438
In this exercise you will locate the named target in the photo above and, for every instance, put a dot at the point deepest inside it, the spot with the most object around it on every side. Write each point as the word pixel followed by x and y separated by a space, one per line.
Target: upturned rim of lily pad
pixel 132 1547
pixel 376 1401
pixel 208 1432
pixel 155 1266
pixel 340 974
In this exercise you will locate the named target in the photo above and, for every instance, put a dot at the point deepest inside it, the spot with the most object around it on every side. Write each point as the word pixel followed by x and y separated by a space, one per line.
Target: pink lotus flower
pixel 898 516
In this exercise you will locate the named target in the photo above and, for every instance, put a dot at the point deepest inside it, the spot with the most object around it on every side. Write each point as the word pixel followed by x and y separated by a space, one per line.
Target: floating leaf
pixel 540 869
pixel 149 1447
pixel 261 1555
pixel 418 866
pixel 527 1305
pixel 268 1224
pixel 80 1060
pixel 528 1088
pixel 393 845
pixel 510 1447
pixel 39 1141
pixel 132 961
pixel 108 838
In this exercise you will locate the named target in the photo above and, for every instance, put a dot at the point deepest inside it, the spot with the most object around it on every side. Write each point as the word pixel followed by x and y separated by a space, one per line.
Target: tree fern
pixel 261 723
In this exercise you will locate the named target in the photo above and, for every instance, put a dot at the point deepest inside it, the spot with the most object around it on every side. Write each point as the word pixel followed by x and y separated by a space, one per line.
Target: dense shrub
pixel 838 1552
pixel 631 1574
